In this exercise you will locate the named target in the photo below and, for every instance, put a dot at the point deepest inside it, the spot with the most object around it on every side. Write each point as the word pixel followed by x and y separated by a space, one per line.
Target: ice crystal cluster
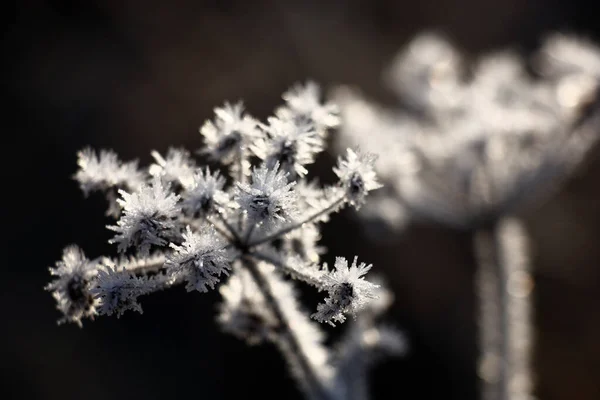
pixel 469 142
pixel 247 224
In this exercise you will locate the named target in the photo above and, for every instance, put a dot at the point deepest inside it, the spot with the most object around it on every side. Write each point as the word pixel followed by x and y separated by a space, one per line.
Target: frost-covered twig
pixel 179 223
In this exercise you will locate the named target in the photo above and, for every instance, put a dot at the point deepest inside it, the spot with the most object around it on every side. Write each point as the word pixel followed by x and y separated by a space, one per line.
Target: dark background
pixel 141 75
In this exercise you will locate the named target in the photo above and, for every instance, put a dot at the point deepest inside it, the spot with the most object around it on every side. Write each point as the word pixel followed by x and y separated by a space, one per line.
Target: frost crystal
pixel 230 133
pixel 357 175
pixel 269 200
pixel 103 171
pixel 205 195
pixel 200 260
pixel 177 167
pixel 117 291
pixel 290 145
pixel 148 218
pixel 348 291
pixel 304 108
pixel 71 288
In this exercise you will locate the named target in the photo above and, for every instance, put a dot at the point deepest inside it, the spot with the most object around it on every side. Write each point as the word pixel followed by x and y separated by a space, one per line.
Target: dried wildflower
pixel 247 229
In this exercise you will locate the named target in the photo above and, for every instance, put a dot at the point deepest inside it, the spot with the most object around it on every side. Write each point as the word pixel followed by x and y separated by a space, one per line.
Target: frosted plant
pixel 347 290
pixel 251 234
pixel 505 140
pixel 469 146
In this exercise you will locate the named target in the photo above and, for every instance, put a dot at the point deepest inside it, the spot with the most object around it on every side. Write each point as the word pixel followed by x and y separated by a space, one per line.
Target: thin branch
pixel 309 275
pixel 313 384
pixel 142 266
pixel 299 224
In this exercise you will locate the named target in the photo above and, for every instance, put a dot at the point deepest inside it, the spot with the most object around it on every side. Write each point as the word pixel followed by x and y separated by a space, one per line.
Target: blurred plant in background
pixel 251 220
pixel 473 146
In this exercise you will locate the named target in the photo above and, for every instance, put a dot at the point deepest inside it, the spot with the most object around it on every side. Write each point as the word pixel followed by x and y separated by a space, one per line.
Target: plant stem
pixel 297 225
pixel 504 288
pixel 309 378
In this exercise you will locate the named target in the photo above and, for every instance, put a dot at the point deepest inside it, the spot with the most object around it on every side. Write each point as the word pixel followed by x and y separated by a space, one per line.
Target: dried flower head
pixel 357 175
pixel 200 260
pixel 176 168
pixel 304 108
pixel 205 196
pixel 71 288
pixel 269 200
pixel 348 291
pixel 148 218
pixel 230 133
pixel 502 141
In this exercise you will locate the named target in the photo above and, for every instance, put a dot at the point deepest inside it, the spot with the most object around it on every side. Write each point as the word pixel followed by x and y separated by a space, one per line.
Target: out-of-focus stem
pixel 311 382
pixel 504 287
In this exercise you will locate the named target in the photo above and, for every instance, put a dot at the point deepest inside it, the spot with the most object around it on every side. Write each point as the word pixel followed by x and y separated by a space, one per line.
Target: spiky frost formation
pixel 292 146
pixel 269 200
pixel 357 175
pixel 348 291
pixel 205 195
pixel 148 219
pixel 230 133
pixel 104 170
pixel 117 290
pixel 200 260
pixel 71 288
pixel 178 167
pixel 304 108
